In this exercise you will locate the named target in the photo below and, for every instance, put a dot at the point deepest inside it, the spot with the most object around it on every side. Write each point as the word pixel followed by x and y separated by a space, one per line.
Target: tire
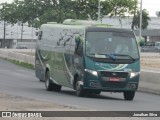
pixel 97 92
pixel 89 93
pixel 57 88
pixel 41 80
pixel 129 95
pixel 48 83
pixel 79 90
pixel 50 86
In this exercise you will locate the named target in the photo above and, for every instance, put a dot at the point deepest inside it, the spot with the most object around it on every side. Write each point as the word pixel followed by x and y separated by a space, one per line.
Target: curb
pixel 149 91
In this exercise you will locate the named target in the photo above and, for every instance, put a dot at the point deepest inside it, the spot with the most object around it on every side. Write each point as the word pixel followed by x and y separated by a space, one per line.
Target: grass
pixel 19 63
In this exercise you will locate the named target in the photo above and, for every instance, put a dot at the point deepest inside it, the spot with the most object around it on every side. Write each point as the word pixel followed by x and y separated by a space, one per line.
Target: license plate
pixel 114 79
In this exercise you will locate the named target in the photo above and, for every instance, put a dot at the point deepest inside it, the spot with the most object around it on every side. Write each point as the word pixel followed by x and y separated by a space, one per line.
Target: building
pixel 152 33
pixel 15 33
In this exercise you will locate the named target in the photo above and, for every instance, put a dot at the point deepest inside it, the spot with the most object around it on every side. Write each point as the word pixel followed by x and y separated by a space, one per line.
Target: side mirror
pixel 79 45
pixel 77 39
pixel 36 33
pixel 40 35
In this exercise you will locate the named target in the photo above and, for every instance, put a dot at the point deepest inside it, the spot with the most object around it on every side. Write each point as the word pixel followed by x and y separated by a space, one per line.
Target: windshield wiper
pixel 108 55
pixel 124 56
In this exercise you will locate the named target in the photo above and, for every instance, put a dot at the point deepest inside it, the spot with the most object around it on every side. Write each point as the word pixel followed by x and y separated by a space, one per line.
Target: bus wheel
pixel 97 92
pixel 50 86
pixel 48 83
pixel 41 80
pixel 57 88
pixel 79 90
pixel 129 95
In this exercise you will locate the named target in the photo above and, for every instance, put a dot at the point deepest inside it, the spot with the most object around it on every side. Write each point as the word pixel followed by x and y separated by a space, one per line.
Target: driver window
pixel 79 46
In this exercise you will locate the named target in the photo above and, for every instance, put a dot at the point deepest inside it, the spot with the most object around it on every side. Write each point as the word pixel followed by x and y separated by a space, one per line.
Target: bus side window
pixel 79 46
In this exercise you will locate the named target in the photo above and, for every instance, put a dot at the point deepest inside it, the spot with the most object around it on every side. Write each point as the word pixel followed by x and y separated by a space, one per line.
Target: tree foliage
pixel 37 12
pixel 121 7
pixel 145 19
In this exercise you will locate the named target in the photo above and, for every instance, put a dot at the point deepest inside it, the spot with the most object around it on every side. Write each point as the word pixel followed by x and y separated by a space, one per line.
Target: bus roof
pixel 106 29
pixel 85 24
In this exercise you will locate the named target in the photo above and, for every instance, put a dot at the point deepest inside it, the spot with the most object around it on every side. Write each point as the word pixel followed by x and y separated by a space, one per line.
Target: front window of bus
pixel 109 44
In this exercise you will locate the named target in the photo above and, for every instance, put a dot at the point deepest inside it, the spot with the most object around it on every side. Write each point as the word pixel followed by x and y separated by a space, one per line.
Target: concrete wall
pixel 4 53
pixel 150 82
pixel 154 38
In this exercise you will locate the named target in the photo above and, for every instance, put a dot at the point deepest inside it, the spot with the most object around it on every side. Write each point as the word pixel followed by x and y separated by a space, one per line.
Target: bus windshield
pixel 114 45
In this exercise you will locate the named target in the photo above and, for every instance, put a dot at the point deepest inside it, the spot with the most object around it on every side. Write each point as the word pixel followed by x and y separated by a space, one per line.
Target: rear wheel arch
pixel 49 84
pixel 47 69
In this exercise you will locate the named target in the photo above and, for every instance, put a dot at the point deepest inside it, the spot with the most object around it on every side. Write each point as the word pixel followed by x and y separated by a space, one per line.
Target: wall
pixel 154 38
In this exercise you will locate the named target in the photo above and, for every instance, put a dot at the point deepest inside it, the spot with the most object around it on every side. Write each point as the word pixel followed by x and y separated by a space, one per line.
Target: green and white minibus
pixel 88 58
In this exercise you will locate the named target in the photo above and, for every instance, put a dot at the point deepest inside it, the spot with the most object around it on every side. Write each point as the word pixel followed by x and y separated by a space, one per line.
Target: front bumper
pixel 98 83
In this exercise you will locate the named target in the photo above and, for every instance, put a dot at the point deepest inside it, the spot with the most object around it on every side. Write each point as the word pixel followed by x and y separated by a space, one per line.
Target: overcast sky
pixel 151 5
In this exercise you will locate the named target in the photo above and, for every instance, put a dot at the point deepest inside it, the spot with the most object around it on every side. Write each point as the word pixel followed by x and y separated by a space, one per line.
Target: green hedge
pixel 22 64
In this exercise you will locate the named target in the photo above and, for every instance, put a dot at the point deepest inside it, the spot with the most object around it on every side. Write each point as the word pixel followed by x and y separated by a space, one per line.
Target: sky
pixel 151 5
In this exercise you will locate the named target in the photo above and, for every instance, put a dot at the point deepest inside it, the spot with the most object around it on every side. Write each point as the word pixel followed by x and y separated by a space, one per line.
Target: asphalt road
pixel 19 81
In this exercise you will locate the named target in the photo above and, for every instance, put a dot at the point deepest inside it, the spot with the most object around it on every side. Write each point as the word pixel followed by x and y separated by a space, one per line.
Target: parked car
pixel 149 44
pixel 148 47
pixel 157 46
pixel 21 47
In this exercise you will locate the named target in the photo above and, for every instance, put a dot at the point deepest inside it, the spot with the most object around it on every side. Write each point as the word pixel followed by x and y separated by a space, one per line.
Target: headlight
pixel 92 72
pixel 133 74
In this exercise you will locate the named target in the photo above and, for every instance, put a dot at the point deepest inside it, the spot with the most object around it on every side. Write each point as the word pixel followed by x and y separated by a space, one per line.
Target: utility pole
pixel 32 37
pixel 4 34
pixel 4 31
pixel 99 11
pixel 22 33
pixel 17 31
pixel 120 21
pixel 140 28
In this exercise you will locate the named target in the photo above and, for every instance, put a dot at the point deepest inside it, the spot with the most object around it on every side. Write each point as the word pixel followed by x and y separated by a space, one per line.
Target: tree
pixel 121 7
pixel 37 12
pixel 83 8
pixel 136 20
pixel 7 12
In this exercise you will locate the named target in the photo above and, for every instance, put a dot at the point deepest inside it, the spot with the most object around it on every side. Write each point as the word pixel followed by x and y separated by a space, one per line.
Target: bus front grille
pixel 114 74
pixel 115 84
